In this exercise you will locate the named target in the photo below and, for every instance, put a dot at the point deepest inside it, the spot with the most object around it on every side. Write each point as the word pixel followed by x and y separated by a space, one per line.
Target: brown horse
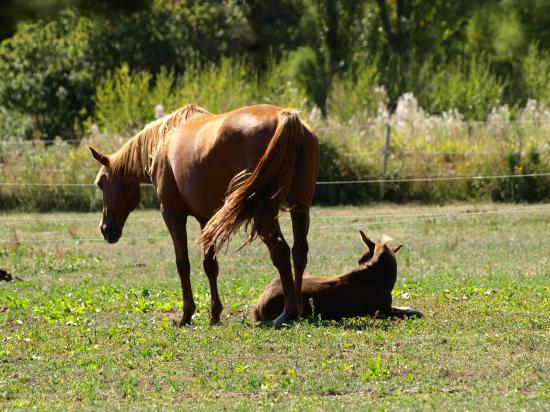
pixel 362 291
pixel 225 170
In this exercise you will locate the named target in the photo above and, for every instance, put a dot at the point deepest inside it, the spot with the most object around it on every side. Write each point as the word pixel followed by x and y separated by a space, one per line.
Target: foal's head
pixel 372 246
pixel 120 197
pixel 378 264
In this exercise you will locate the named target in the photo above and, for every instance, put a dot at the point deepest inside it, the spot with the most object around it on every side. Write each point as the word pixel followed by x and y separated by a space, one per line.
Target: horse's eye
pixel 101 181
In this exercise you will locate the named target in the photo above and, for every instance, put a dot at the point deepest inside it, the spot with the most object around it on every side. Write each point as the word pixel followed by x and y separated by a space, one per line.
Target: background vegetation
pixel 464 87
pixel 449 77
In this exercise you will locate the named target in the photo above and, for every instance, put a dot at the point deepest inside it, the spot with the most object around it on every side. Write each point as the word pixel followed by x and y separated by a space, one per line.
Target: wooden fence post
pixel 386 156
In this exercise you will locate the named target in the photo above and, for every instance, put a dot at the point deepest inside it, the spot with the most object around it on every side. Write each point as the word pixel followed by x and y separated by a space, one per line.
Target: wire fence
pixel 38 173
pixel 403 152
pixel 315 215
pixel 17 142
pixel 334 182
pixel 370 220
pixel 433 179
pixel 39 169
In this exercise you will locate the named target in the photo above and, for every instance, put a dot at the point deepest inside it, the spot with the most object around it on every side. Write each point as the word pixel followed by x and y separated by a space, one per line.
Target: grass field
pixel 88 325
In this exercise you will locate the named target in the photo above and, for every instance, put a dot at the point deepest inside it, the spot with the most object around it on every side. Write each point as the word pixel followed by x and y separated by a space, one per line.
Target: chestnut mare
pixel 362 291
pixel 225 170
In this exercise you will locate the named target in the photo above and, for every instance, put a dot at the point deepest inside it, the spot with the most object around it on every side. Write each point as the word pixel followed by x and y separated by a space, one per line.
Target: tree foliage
pixel 47 72
pixel 465 55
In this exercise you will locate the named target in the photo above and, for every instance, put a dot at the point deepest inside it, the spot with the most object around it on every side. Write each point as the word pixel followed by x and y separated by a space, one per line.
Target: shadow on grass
pixel 377 322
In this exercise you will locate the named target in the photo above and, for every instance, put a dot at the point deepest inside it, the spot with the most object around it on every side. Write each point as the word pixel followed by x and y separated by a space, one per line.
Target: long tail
pixel 254 199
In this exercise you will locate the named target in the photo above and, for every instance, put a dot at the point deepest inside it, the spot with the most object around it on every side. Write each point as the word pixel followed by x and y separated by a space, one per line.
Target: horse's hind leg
pixel 280 256
pixel 176 224
pixel 300 228
pixel 210 265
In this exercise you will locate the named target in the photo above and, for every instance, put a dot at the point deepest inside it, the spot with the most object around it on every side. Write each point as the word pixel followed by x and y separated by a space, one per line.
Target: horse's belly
pixel 204 193
pixel 203 175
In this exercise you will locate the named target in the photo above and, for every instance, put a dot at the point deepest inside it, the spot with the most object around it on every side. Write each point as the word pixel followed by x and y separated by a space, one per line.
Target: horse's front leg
pixel 210 265
pixel 176 223
pixel 300 228
pixel 280 256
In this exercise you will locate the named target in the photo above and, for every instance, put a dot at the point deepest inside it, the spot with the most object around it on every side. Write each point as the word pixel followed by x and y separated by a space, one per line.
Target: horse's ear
pixel 101 158
pixel 367 241
pixel 396 249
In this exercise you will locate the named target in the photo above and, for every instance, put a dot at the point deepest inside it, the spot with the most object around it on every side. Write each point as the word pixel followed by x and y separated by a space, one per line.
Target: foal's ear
pixel 367 241
pixel 396 249
pixel 101 158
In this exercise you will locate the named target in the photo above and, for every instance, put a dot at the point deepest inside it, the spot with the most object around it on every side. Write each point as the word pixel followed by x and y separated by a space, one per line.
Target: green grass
pixel 89 324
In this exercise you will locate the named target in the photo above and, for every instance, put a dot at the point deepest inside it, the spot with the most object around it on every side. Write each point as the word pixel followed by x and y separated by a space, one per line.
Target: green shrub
pixel 350 97
pixel 50 68
pixel 123 100
pixel 217 88
pixel 467 86
pixel 336 165
pixel 536 75
pixel 526 189
pixel 13 125
pixel 47 73
pixel 306 68
pixel 126 100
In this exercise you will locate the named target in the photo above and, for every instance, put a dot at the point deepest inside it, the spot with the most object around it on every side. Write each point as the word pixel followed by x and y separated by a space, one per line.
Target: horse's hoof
pixel 278 322
pixel 281 321
pixel 180 323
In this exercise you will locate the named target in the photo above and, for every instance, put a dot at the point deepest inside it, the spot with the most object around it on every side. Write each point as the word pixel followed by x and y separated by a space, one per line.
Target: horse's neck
pixel 133 177
pixel 145 178
pixel 133 160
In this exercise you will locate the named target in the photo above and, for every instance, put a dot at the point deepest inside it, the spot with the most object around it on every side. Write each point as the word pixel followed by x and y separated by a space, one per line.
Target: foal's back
pixel 331 297
pixel 362 291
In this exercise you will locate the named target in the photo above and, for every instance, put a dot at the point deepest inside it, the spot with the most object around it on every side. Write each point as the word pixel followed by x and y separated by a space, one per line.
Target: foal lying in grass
pixel 362 291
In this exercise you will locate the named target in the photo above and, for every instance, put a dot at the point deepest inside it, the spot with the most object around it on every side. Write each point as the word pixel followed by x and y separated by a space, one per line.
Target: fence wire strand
pixel 331 182
pixel 370 221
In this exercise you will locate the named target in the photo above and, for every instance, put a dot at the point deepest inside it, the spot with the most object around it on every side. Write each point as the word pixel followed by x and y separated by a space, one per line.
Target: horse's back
pixel 208 151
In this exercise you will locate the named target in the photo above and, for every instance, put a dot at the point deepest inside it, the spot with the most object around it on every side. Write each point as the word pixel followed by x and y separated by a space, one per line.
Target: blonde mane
pixel 133 157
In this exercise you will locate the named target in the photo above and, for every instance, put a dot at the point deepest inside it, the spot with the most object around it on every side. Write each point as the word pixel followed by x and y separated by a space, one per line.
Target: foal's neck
pixel 381 273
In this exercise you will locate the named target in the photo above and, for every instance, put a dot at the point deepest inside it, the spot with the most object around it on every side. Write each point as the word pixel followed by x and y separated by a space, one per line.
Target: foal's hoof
pixel 405 312
pixel 413 313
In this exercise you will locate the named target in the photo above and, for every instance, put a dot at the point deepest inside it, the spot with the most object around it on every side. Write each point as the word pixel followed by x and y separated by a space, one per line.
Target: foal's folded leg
pixel 404 312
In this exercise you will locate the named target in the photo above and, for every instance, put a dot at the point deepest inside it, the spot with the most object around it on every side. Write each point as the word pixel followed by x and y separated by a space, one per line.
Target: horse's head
pixel 378 264
pixel 120 197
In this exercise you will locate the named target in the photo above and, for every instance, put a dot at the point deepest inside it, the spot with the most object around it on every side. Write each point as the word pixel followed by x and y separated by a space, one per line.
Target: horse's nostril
pixel 105 230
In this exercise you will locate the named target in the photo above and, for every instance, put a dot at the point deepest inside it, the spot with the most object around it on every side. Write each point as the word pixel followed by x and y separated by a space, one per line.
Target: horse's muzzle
pixel 110 233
